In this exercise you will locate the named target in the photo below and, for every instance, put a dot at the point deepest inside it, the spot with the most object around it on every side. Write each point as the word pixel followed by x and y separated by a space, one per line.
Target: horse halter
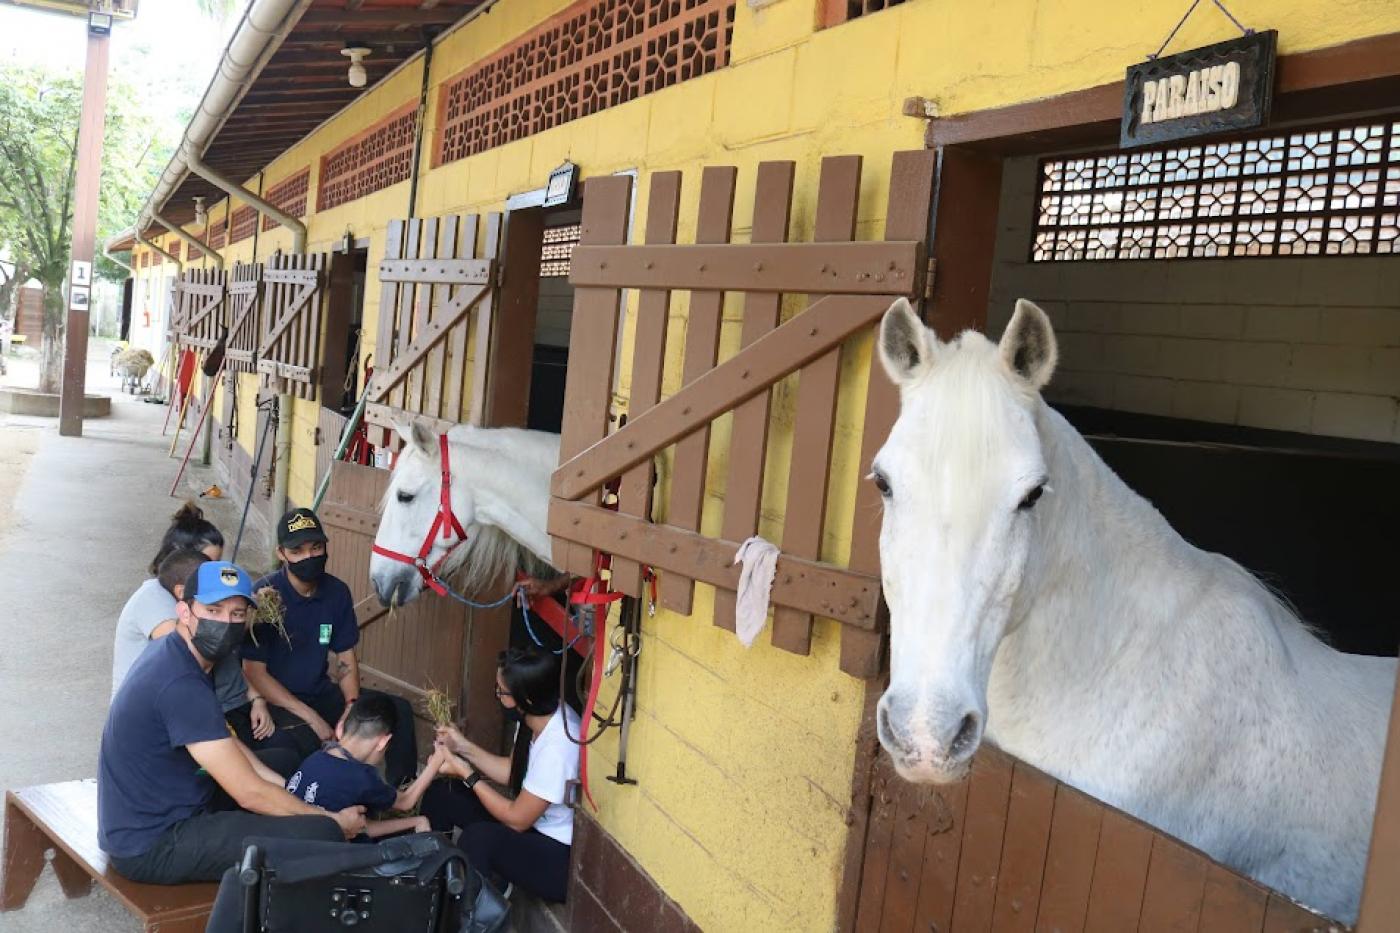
pixel 445 519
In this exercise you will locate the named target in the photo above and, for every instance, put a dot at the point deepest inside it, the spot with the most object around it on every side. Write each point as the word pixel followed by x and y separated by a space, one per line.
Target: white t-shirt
pixel 148 607
pixel 553 763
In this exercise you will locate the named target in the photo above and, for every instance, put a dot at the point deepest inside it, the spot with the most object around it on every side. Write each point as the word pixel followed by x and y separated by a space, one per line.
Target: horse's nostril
pixel 888 737
pixel 965 741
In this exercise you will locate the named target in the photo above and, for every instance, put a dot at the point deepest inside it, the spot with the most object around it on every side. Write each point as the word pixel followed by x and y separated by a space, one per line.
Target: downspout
pixel 418 129
pixel 236 190
pixel 107 251
pixel 190 240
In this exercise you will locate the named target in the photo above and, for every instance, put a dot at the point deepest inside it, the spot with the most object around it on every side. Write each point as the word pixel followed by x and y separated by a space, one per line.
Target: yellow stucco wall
pixel 744 757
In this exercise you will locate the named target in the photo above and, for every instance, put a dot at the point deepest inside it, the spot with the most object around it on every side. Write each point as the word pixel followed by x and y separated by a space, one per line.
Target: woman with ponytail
pixel 521 836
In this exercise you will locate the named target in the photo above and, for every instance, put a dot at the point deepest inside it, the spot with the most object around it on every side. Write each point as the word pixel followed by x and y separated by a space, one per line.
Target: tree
pixel 39 112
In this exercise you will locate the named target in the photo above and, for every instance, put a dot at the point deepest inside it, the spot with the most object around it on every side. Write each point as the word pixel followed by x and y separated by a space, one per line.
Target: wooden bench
pixel 63 817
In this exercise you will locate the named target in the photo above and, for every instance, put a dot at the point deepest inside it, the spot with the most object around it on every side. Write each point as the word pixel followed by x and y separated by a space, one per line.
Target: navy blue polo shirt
pixel 332 783
pixel 146 779
pixel 321 622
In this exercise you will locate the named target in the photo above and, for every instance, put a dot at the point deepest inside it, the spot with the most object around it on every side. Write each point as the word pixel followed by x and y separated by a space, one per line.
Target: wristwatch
pixel 471 779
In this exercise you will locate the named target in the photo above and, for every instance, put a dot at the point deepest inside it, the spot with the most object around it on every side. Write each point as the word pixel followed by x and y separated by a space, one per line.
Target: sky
pixel 167 38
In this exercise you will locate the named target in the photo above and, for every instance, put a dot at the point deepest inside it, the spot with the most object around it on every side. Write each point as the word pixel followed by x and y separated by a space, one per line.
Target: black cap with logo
pixel 299 526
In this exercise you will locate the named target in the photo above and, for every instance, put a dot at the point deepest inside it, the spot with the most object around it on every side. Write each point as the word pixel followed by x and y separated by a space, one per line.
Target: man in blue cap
pixel 176 791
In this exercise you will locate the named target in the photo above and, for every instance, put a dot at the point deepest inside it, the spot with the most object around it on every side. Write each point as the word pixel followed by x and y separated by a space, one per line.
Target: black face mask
pixel 310 569
pixel 216 640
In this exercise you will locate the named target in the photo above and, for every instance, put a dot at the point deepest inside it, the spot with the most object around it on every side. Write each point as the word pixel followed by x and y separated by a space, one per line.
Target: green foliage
pixel 39 112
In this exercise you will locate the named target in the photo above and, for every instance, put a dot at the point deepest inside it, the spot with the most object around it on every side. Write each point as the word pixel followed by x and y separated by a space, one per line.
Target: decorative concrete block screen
pixel 835 12
pixel 218 234
pixel 593 56
pixel 289 195
pixel 245 221
pixel 370 161
pixel 557 252
pixel 1331 191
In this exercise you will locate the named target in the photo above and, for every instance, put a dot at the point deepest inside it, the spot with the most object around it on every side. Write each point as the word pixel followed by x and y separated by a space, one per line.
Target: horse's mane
pixel 489 561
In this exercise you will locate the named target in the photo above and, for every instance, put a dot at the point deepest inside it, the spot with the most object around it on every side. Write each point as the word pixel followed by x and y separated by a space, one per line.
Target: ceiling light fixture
pixel 200 216
pixel 358 77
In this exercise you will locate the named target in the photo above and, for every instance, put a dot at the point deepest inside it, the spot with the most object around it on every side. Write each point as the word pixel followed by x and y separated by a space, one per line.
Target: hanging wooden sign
pixel 1220 88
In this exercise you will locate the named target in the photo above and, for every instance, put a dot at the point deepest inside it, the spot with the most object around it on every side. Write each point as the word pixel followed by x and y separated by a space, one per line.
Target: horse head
pixel 960 476
pixel 407 516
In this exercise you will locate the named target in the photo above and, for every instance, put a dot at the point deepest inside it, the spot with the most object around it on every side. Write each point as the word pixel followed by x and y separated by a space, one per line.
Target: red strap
pixel 445 519
pixel 583 727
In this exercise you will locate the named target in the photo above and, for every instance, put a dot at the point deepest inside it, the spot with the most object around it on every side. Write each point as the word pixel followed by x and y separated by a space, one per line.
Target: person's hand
pixel 319 726
pixel 261 719
pixel 435 760
pixel 421 825
pixel 351 821
pixel 452 737
pixel 534 586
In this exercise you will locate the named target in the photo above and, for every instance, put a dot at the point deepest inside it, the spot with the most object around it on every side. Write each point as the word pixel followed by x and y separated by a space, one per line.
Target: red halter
pixel 446 520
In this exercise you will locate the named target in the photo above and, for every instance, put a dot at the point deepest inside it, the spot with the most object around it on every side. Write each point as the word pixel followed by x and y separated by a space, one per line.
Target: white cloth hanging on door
pixel 760 560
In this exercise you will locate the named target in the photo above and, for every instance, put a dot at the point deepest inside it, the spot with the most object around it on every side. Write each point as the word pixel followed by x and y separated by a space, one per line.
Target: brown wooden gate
pixel 439 282
pixel 1012 849
pixel 848 286
pixel 434 275
pixel 198 307
pixel 294 294
pixel 245 286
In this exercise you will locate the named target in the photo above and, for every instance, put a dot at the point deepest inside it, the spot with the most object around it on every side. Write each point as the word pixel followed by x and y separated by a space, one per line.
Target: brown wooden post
pixel 838 198
pixel 592 336
pixel 748 441
pixel 648 360
pixel 911 199
pixel 701 350
pixel 964 240
pixel 1380 897
pixel 513 335
pixel 90 128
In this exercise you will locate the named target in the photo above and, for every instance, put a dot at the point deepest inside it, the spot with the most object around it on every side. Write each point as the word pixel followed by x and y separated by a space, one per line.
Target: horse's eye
pixel 405 497
pixel 1031 498
pixel 881 483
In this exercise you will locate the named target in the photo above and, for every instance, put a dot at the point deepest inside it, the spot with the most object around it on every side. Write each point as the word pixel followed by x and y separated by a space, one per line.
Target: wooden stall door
pixel 439 278
pixel 199 317
pixel 294 297
pixel 847 285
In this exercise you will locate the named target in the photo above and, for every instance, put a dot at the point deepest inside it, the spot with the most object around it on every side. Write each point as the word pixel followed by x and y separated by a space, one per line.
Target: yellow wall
pixel 744 757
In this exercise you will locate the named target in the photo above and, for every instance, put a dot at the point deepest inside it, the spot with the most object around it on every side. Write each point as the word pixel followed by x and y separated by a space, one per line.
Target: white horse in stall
pixel 1037 601
pixel 500 495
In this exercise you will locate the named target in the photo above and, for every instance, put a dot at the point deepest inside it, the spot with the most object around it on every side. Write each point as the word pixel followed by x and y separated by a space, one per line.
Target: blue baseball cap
pixel 217 580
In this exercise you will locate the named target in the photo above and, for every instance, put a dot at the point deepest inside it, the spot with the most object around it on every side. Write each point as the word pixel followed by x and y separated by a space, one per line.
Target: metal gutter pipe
pixel 107 251
pixel 260 33
pixel 192 241
pixel 236 190
pixel 141 238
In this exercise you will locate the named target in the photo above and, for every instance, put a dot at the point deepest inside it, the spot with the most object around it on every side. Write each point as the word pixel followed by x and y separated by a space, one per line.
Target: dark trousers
pixel 400 758
pixel 532 860
pixel 203 847
pixel 280 751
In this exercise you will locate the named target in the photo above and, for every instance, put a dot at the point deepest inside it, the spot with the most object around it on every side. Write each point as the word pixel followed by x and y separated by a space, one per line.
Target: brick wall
pixel 1305 345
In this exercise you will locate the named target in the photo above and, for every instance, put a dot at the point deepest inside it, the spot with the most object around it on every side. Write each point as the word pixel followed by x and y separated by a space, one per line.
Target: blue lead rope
pixel 514 593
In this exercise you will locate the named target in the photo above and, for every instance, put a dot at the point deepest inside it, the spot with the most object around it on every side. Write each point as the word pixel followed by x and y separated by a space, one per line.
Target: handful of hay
pixel 268 609
pixel 439 708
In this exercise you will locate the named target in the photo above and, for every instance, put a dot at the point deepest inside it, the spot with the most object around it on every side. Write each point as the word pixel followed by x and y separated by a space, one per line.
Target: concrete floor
pixel 80 519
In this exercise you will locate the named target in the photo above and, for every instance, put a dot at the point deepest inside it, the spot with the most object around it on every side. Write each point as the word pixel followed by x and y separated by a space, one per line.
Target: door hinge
pixel 929 275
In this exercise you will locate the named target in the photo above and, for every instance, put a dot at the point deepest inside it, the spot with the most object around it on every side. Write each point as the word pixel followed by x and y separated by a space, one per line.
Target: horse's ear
pixel 414 434
pixel 1028 346
pixel 905 348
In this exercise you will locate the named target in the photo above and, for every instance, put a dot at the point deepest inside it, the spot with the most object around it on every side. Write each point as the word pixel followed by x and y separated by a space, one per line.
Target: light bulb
pixel 357 75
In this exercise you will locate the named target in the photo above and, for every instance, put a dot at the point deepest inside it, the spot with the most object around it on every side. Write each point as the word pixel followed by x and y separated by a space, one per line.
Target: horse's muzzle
pixel 396 587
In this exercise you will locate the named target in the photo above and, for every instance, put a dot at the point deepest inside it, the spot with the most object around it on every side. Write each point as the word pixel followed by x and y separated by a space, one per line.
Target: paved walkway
pixel 76 535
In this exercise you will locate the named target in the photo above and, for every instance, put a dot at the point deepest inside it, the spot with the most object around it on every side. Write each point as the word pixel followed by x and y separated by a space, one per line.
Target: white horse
pixel 500 494
pixel 1038 601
